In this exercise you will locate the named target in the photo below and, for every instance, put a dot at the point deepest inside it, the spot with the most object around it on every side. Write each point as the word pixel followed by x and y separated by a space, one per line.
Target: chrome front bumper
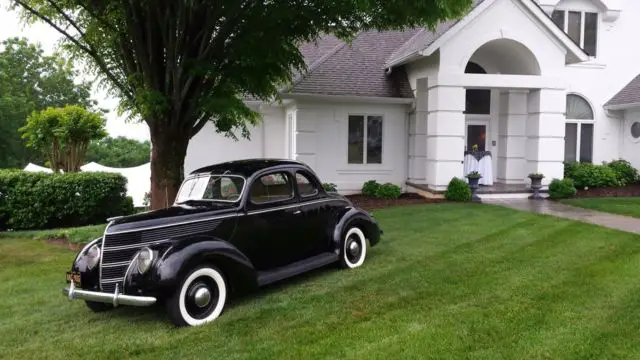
pixel 116 298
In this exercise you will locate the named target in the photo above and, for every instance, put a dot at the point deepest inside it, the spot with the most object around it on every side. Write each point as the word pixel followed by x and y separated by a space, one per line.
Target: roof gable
pixel 427 43
pixel 629 96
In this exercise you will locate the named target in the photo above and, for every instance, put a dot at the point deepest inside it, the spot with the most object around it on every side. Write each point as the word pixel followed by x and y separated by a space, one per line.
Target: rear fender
pixel 184 255
pixel 360 218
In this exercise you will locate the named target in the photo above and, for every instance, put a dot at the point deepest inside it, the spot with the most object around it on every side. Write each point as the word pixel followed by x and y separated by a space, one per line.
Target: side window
pixel 305 186
pixel 271 188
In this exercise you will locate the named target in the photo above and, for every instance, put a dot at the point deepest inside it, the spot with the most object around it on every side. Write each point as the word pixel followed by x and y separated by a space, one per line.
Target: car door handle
pixel 297 212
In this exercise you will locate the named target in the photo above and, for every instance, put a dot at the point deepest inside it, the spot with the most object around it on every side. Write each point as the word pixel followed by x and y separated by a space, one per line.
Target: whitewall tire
pixel 199 299
pixel 353 248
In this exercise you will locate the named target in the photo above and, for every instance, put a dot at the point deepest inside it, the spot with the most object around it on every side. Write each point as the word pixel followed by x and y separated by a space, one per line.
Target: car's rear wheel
pixel 98 306
pixel 353 248
pixel 199 298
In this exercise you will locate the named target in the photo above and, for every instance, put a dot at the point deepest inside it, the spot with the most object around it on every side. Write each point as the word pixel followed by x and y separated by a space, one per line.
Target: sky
pixel 47 37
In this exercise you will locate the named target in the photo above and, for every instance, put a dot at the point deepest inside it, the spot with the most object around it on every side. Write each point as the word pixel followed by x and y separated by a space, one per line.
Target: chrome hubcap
pixel 354 248
pixel 202 297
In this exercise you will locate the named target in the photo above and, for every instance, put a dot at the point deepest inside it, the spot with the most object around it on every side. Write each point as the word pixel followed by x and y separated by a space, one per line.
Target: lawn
pixel 629 206
pixel 447 281
pixel 79 235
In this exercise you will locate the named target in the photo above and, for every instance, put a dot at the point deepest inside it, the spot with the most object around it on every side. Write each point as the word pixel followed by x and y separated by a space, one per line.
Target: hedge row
pixel 617 173
pixel 42 201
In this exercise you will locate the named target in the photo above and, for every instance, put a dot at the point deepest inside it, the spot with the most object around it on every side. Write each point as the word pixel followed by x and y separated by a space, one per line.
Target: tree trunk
pixel 169 149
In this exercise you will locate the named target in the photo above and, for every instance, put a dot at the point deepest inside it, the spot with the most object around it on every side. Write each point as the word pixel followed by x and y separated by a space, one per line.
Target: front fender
pixel 360 218
pixel 184 255
pixel 89 278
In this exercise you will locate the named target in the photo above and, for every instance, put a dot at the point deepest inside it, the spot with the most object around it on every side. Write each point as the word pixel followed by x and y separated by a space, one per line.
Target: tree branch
pixel 67 17
pixel 91 52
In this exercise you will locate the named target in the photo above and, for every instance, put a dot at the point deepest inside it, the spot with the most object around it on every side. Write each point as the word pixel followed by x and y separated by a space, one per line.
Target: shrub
pixel 41 200
pixel 457 190
pixel 561 189
pixel 370 188
pixel 626 173
pixel 388 191
pixel 586 175
pixel 330 187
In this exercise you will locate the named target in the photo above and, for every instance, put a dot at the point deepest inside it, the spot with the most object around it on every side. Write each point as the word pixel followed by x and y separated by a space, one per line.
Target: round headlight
pixel 92 256
pixel 144 259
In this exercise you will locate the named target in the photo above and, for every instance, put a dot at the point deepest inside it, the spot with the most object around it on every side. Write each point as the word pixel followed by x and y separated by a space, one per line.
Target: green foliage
pixel 31 81
pixel 474 175
pixel 63 135
pixel 180 64
pixel 388 191
pixel 370 188
pixel 330 187
pixel 586 175
pixel 41 200
pixel 625 172
pixel 457 190
pixel 119 152
pixel 561 189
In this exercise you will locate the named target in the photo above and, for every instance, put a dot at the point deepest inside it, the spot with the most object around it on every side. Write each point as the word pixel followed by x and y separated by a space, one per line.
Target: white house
pixel 535 83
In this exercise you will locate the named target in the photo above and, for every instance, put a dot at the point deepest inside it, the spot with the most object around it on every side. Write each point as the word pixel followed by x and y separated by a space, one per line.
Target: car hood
pixel 173 214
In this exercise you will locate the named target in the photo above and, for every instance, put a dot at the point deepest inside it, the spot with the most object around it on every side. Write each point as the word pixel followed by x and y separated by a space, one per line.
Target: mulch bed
pixel 368 203
pixel 631 190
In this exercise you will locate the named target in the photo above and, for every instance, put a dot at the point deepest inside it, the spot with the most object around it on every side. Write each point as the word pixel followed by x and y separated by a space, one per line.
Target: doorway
pixel 477 133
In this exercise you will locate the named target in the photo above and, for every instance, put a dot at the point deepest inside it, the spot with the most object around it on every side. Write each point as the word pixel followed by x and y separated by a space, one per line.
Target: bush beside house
pixel 43 201
pixel 387 191
pixel 617 173
pixel 562 189
pixel 457 190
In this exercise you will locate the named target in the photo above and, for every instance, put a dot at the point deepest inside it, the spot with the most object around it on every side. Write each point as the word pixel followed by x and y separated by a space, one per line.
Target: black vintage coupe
pixel 234 227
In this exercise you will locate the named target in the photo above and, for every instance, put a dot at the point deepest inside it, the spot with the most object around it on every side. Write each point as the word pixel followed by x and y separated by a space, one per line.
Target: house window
pixel 635 130
pixel 582 28
pixel 578 141
pixel 365 139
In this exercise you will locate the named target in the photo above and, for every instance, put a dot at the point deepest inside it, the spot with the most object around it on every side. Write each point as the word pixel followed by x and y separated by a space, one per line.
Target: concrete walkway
pixel 619 222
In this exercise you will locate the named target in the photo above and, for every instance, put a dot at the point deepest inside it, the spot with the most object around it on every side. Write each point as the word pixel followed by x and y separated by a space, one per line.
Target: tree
pixel 119 152
pixel 63 135
pixel 31 81
pixel 178 64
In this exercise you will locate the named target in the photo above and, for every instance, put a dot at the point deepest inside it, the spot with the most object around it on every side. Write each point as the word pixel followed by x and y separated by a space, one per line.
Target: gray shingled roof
pixel 357 69
pixel 424 38
pixel 630 94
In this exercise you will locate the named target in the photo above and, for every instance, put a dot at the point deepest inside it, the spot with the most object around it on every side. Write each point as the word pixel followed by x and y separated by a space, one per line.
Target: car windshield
pixel 226 188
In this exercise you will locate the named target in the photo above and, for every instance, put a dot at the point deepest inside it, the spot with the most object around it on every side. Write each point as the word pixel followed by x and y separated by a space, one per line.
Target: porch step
pixel 496 191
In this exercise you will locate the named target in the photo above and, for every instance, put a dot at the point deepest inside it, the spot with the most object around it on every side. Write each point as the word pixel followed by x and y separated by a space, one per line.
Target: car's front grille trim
pixel 134 246
pixel 116 260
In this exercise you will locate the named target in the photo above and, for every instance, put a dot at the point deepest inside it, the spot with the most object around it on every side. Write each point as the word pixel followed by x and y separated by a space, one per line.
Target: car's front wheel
pixel 200 297
pixel 353 249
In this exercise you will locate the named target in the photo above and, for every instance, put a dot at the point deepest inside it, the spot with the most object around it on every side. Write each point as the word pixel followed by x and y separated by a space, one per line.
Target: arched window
pixel 578 140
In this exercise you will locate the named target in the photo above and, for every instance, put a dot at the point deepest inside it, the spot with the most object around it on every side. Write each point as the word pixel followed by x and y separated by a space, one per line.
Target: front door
pixel 476 135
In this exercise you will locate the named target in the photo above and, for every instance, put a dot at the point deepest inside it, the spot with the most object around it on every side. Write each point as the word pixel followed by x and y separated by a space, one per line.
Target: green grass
pixel 448 281
pixel 78 235
pixel 629 206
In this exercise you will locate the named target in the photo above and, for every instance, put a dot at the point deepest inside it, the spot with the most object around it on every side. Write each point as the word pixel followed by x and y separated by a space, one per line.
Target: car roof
pixel 246 167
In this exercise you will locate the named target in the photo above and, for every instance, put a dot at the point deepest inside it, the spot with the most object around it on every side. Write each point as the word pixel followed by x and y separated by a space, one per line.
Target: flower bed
pixel 630 190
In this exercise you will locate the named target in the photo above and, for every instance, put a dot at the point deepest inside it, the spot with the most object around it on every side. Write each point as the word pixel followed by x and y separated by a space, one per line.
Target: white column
pixel 512 137
pixel 418 135
pixel 445 135
pixel 304 136
pixel 545 133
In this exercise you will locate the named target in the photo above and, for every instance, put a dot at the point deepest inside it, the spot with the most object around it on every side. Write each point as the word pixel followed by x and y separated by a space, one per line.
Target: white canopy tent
pixel 37 168
pixel 138 178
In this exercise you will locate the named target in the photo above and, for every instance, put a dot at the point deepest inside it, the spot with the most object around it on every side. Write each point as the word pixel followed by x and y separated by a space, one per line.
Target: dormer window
pixel 581 26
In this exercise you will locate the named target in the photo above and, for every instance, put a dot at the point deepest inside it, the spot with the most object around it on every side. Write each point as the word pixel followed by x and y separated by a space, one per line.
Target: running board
pixel 296 268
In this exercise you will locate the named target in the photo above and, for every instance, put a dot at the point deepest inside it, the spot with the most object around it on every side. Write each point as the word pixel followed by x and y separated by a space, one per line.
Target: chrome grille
pixel 118 249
